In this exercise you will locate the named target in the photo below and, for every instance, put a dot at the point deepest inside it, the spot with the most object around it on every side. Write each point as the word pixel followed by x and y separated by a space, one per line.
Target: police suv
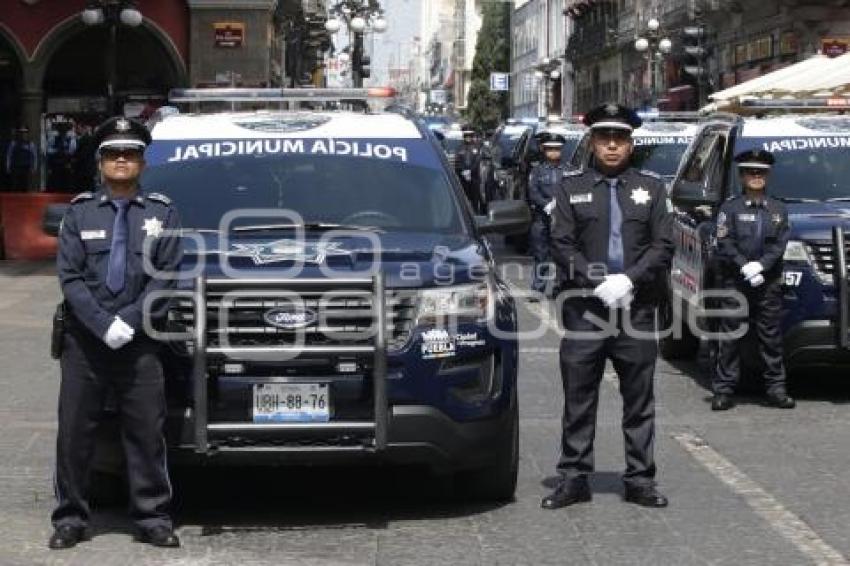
pixel 338 299
pixel 810 175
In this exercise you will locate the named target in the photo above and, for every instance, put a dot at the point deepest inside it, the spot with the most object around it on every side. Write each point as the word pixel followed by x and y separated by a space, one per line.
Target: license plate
pixel 291 402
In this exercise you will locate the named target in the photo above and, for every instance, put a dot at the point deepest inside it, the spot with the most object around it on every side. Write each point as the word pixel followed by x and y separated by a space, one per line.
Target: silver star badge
pixel 152 227
pixel 640 196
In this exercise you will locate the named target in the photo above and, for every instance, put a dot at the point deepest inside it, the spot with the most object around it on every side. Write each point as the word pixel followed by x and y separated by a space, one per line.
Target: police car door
pixel 693 228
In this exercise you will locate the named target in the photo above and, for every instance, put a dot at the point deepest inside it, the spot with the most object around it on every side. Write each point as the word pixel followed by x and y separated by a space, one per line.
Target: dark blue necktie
pixel 615 237
pixel 118 249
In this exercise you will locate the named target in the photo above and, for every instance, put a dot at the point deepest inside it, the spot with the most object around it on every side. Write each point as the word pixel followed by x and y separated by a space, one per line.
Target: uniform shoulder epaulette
pixel 159 197
pixel 648 173
pixel 88 195
pixel 573 172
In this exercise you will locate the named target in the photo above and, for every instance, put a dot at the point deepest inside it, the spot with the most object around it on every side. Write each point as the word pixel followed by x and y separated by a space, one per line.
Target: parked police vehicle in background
pixel 810 176
pixel 659 143
pixel 339 299
pixel 501 167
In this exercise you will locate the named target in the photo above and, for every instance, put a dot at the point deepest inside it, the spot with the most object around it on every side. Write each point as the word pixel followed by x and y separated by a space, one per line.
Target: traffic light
pixel 365 69
pixel 696 53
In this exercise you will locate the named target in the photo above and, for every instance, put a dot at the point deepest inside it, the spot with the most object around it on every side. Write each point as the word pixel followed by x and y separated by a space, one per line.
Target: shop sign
pixel 835 47
pixel 229 34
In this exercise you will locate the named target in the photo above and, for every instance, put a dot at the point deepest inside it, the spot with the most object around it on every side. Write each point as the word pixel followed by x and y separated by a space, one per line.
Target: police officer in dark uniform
pixel 467 165
pixel 611 241
pixel 752 233
pixel 541 194
pixel 103 242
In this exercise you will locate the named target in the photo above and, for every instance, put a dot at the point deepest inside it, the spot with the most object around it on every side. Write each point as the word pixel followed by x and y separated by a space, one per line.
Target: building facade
pixel 53 64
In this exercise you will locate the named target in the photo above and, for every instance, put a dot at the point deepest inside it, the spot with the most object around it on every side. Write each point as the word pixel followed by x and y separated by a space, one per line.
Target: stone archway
pixel 12 62
pixel 71 62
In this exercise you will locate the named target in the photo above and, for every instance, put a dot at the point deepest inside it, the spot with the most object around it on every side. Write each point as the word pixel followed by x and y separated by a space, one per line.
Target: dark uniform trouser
pixel 539 241
pixel 765 310
pixel 89 370
pixel 582 367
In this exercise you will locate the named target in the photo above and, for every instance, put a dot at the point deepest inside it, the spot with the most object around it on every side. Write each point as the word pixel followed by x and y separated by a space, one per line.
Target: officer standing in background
pixel 543 180
pixel 467 161
pixel 21 160
pixel 752 233
pixel 101 272
pixel 611 241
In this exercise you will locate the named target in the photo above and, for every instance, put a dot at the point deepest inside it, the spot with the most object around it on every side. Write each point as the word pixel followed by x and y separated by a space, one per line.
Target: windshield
pixel 816 168
pixel 506 141
pixel 660 158
pixel 452 144
pixel 321 188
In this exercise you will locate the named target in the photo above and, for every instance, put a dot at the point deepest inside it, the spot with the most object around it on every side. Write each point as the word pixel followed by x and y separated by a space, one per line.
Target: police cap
pixel 467 130
pixel 121 133
pixel 755 159
pixel 612 116
pixel 551 140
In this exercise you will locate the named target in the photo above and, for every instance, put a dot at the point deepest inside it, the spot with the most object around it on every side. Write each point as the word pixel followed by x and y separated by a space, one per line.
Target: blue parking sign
pixel 500 81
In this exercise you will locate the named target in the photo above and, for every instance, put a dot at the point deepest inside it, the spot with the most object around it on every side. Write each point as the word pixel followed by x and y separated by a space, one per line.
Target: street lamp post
pixel 361 17
pixel 654 46
pixel 547 71
pixel 112 13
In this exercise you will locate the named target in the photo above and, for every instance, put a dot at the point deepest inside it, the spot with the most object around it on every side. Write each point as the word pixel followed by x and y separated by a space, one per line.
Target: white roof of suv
pixel 796 126
pixel 285 124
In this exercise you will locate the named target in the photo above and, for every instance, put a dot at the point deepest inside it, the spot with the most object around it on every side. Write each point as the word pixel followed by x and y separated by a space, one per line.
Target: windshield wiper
pixel 797 199
pixel 325 226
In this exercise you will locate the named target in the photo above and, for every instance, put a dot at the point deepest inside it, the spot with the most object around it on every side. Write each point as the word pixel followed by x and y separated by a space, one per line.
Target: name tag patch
pixel 582 198
pixel 93 234
pixel 747 217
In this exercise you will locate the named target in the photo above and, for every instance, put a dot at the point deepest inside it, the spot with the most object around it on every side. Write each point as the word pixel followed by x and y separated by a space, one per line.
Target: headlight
pixel 446 304
pixel 796 251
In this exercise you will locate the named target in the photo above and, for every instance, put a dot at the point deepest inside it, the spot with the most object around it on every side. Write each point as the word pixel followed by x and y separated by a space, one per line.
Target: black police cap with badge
pixel 120 133
pixel 755 159
pixel 612 116
pixel 551 140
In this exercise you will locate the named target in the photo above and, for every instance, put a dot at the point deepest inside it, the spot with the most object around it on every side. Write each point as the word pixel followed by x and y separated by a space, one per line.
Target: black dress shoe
pixel 781 400
pixel 645 495
pixel 567 494
pixel 722 402
pixel 160 536
pixel 66 536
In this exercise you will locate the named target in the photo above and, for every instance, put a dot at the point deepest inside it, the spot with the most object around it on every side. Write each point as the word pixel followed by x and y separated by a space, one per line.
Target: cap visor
pixel 122 144
pixel 754 165
pixel 611 125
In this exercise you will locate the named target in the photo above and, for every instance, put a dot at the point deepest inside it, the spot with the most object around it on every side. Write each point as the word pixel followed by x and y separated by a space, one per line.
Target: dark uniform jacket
pixel 752 230
pixel 467 157
pixel 83 258
pixel 580 230
pixel 542 181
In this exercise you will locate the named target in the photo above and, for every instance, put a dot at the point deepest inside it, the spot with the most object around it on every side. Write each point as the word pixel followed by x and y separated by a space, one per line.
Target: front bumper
pixel 814 343
pixel 417 434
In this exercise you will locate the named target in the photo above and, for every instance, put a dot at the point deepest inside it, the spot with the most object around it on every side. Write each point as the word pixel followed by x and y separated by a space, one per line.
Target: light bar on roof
pixel 278 94
pixel 826 103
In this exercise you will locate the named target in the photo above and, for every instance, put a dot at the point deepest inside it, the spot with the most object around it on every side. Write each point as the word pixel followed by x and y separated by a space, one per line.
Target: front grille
pixel 237 318
pixel 823 259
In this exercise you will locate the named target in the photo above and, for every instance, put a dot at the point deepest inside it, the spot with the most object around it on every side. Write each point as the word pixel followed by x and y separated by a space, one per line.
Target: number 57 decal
pixel 793 278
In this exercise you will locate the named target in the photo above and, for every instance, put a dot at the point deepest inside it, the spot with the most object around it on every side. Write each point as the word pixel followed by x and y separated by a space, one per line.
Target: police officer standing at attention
pixel 612 244
pixel 752 232
pixel 541 192
pixel 102 241
pixel 467 161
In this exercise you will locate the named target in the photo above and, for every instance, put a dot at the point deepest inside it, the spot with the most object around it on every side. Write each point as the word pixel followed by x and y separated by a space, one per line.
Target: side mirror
pixel 438 134
pixel 53 215
pixel 691 194
pixel 505 217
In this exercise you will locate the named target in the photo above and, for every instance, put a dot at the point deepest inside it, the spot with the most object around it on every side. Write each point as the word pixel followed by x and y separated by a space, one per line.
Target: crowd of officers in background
pixel 68 158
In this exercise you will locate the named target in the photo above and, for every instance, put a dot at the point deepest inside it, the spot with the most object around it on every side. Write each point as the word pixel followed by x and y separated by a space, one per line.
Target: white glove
pixel 756 280
pixel 625 302
pixel 119 334
pixel 751 269
pixel 550 206
pixel 466 174
pixel 613 289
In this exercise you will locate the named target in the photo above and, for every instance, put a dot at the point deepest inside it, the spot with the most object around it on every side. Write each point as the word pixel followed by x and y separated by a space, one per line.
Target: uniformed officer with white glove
pixel 752 233
pixel 612 244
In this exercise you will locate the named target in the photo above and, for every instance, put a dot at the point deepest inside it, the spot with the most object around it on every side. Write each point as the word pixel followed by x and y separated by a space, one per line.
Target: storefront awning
pixel 818 76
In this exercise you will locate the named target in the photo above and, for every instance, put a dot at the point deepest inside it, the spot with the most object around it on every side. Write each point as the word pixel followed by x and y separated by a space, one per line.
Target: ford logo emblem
pixel 290 318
